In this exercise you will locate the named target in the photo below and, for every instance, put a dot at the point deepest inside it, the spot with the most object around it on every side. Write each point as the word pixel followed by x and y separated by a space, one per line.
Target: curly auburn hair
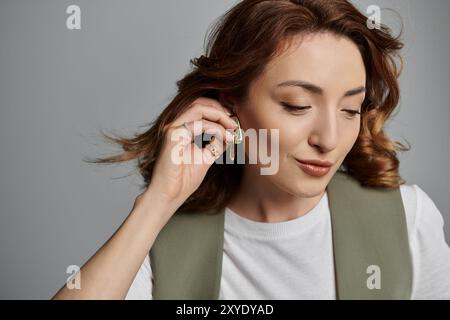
pixel 240 45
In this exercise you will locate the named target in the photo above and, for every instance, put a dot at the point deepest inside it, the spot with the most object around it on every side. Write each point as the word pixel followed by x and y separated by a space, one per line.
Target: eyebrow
pixel 316 89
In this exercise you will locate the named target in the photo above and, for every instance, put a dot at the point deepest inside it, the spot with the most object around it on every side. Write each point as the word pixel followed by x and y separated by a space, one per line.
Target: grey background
pixel 58 87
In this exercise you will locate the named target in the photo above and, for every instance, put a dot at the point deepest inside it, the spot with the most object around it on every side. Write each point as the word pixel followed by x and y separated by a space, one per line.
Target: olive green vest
pixel 369 240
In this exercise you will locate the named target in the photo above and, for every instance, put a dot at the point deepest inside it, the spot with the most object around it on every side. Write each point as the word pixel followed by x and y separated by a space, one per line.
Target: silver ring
pixel 213 150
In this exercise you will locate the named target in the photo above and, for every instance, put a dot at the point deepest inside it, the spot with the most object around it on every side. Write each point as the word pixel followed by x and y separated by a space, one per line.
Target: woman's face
pixel 331 77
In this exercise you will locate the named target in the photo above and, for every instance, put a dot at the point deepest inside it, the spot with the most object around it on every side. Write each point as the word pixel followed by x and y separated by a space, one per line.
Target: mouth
pixel 316 168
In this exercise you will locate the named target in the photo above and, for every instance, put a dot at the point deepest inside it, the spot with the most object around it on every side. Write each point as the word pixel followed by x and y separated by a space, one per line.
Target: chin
pixel 306 189
pixel 310 193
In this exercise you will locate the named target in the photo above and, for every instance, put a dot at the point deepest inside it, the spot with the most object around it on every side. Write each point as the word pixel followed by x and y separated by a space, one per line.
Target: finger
pixel 181 135
pixel 217 130
pixel 195 128
pixel 184 137
pixel 199 112
pixel 213 151
pixel 213 103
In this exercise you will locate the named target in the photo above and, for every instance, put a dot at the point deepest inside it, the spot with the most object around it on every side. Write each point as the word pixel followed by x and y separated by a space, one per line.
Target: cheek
pixel 355 131
pixel 350 134
pixel 292 133
pixel 260 118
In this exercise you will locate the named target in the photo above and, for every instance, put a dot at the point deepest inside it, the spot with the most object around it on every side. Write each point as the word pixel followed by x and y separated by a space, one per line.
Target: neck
pixel 260 200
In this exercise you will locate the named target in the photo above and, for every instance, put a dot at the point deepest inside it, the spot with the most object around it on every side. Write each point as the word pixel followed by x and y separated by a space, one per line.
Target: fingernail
pixel 230 136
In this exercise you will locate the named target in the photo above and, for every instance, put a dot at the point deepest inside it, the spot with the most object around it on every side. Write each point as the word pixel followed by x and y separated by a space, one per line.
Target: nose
pixel 324 132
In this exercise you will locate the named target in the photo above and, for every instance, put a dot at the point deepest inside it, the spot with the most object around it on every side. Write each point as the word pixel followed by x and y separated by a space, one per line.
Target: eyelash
pixel 292 108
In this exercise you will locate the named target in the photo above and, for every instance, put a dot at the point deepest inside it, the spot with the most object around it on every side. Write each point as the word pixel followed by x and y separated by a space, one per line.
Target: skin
pixel 325 131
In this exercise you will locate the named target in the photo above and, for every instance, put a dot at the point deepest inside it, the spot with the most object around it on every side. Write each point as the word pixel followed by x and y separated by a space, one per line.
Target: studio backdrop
pixel 113 67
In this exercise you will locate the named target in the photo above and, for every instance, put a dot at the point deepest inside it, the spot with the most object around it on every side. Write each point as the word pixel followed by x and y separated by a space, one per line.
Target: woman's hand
pixel 181 165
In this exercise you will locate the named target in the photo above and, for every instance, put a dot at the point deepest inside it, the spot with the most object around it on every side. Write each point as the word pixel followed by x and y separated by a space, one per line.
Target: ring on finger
pixel 213 150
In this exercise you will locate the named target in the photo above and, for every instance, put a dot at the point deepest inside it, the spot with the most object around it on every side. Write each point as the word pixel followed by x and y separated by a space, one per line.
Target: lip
pixel 317 168
pixel 321 163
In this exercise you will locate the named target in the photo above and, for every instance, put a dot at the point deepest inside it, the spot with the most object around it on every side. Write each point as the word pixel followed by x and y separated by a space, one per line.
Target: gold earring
pixel 238 136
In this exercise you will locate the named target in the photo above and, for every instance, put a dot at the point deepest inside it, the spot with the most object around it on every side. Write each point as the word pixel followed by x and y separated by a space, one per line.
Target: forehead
pixel 329 61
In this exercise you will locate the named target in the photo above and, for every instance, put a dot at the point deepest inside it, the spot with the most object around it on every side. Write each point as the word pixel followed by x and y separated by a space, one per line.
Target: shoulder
pixel 429 249
pixel 421 211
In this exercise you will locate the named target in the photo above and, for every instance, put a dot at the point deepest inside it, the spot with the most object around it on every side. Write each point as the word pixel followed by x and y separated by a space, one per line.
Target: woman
pixel 323 84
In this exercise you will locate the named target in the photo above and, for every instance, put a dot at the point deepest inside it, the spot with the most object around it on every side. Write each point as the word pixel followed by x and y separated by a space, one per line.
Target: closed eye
pixel 290 107
pixel 352 112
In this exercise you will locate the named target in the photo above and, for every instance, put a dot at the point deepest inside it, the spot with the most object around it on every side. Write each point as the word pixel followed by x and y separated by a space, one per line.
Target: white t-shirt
pixel 294 259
